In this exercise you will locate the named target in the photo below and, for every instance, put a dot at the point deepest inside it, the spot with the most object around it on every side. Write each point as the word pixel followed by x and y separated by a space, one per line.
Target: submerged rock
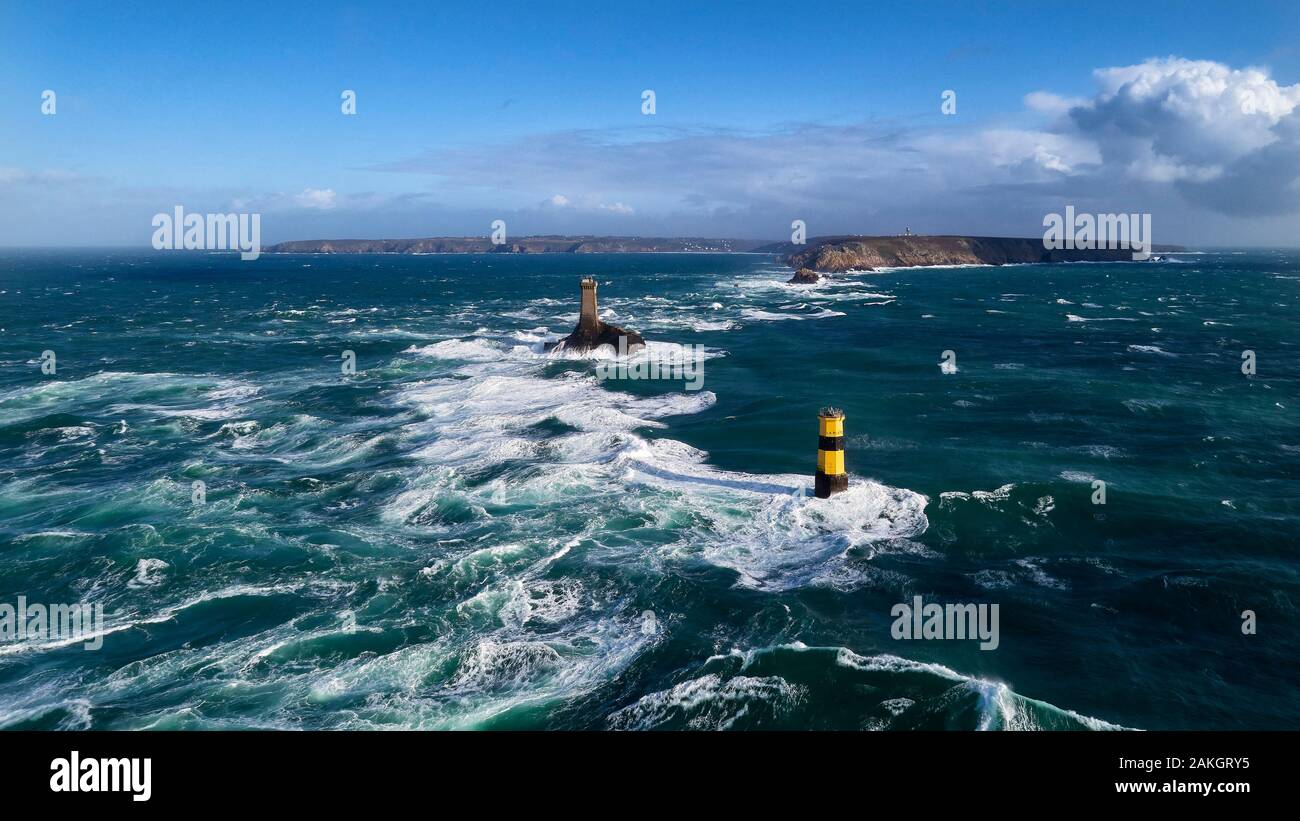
pixel 591 333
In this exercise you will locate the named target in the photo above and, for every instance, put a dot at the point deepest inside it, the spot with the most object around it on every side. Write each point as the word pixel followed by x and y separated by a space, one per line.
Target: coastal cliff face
pixel 820 254
pixel 836 254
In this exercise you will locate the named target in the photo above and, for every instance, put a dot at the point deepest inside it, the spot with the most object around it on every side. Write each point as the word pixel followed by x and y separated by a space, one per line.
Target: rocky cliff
pixel 834 254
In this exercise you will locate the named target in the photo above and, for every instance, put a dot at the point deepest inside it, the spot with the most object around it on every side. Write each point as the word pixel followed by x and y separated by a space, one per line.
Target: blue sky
pixel 531 112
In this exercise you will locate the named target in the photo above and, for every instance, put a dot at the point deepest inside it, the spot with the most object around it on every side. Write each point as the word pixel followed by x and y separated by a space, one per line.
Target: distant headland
pixel 855 253
pixel 819 255
pixel 544 244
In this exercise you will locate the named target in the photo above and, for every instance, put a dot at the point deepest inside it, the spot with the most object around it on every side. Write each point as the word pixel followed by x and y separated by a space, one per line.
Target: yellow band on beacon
pixel 832 425
pixel 830 462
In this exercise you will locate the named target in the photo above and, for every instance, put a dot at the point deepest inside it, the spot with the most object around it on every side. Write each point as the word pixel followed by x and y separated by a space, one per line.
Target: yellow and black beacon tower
pixel 831 478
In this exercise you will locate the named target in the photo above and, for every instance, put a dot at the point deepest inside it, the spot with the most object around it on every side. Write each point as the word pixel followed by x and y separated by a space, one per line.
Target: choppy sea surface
pixel 471 533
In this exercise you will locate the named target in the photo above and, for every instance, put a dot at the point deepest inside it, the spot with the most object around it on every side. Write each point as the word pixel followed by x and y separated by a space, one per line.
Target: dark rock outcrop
pixel 588 338
pixel 804 276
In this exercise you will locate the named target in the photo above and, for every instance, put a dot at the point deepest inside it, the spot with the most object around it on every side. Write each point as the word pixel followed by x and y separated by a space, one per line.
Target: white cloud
pixel 319 198
pixel 1153 131
pixel 1172 119
pixel 1049 103
pixel 589 203
pixel 1190 141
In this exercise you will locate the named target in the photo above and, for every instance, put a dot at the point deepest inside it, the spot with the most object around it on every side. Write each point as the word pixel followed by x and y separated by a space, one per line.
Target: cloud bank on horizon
pixel 1212 151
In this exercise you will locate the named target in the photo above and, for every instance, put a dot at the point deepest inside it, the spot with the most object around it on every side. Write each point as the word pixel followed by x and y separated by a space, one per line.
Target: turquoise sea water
pixel 468 533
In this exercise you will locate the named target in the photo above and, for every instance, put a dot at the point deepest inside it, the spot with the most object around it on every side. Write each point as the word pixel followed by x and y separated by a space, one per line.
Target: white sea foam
pixel 769 528
pixel 148 573
pixel 1000 494
pixel 510 470
pixel 732 692
pixel 710 703
pixel 759 315
pixel 1155 349
pixel 117 393
pixel 766 527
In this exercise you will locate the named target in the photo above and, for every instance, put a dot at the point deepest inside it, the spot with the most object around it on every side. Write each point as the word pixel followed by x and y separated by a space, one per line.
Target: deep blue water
pixel 469 533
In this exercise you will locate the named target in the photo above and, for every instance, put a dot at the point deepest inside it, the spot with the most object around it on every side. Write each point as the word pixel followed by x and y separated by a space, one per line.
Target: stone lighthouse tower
pixel 591 333
pixel 587 316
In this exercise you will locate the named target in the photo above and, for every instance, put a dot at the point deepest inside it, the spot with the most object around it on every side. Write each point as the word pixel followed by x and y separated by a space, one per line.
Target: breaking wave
pixel 793 686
